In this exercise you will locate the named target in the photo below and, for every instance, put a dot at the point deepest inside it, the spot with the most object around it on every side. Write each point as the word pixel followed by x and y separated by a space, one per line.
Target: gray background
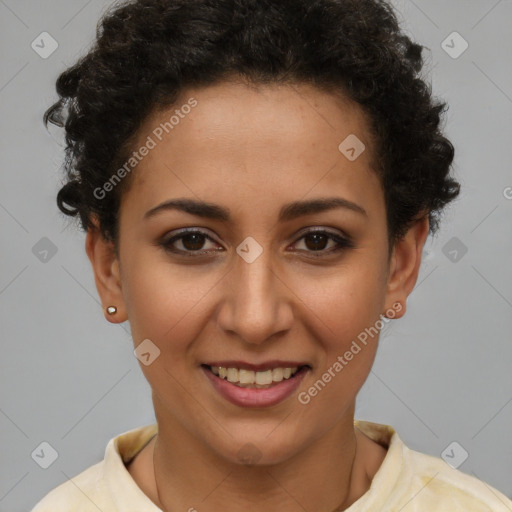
pixel 442 374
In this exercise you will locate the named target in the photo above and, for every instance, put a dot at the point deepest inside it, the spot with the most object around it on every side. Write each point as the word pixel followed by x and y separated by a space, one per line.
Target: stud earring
pixel 111 310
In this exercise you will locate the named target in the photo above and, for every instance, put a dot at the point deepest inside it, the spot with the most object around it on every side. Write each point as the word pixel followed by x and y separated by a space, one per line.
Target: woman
pixel 257 180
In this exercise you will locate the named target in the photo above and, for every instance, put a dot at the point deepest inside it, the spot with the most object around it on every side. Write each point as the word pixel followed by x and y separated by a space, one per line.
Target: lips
pixel 255 385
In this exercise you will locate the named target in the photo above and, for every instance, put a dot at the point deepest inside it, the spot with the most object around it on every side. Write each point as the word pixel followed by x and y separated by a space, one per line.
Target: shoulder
pixel 413 481
pixel 107 485
pixel 79 492
pixel 436 486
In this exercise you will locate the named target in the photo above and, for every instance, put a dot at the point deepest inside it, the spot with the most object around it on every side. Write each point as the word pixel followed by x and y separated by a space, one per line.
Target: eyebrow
pixel 288 211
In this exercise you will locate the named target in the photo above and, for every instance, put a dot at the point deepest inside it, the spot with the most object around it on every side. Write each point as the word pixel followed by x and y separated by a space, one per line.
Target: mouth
pixel 261 379
pixel 262 385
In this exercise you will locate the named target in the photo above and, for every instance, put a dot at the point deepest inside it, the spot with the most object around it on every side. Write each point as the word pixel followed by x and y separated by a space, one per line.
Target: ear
pixel 405 265
pixel 105 264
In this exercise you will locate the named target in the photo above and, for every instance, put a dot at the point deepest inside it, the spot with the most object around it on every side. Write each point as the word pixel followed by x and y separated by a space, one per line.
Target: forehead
pixel 271 140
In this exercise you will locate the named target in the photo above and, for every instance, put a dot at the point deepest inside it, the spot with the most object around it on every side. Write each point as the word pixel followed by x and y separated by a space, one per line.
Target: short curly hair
pixel 147 52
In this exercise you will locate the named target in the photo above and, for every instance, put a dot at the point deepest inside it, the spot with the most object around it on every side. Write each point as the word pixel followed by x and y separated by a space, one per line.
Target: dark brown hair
pixel 147 51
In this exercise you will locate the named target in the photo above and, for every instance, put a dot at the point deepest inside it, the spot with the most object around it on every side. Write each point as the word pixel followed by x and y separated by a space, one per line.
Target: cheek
pixel 164 302
pixel 348 305
pixel 349 309
pixel 168 305
pixel 346 300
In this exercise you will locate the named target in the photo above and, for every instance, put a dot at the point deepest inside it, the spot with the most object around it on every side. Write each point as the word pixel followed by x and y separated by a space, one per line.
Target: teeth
pixel 244 376
pixel 232 375
pixel 250 378
pixel 263 377
pixel 277 374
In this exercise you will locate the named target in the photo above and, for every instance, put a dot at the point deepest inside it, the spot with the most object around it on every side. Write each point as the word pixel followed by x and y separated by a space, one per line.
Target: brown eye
pixel 189 242
pixel 318 242
pixel 193 241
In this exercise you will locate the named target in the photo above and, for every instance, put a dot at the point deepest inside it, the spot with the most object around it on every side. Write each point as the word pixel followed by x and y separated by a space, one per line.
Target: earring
pixel 111 310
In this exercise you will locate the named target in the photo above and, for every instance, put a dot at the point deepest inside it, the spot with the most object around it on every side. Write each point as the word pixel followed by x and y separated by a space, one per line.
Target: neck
pixel 328 475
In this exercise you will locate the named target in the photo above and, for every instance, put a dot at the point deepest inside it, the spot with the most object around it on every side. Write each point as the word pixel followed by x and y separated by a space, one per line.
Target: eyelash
pixel 342 243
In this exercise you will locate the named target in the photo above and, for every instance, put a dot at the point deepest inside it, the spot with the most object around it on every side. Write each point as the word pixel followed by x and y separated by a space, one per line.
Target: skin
pixel 252 150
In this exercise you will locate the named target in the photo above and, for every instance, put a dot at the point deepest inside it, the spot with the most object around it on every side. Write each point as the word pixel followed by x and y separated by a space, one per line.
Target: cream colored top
pixel 407 481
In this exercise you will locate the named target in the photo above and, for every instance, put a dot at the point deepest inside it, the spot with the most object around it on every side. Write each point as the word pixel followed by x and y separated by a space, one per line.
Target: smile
pixel 250 378
pixel 255 388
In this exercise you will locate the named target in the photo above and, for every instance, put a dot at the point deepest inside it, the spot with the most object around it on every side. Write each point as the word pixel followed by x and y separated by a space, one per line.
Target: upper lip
pixel 267 365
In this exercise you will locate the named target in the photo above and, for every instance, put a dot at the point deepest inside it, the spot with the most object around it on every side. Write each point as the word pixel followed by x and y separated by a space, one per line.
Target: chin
pixel 260 447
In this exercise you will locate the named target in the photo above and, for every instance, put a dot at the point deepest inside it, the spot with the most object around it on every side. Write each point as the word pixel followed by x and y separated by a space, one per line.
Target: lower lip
pixel 256 397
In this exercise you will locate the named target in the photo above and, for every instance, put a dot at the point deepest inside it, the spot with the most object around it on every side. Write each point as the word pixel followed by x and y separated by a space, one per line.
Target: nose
pixel 257 303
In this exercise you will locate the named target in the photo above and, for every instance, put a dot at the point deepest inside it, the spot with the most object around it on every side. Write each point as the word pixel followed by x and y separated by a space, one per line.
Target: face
pixel 276 257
